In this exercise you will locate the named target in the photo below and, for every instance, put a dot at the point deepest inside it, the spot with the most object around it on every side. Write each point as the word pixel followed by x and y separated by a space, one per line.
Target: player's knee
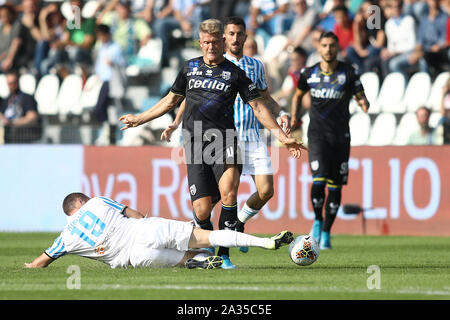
pixel 229 196
pixel 202 210
pixel 203 214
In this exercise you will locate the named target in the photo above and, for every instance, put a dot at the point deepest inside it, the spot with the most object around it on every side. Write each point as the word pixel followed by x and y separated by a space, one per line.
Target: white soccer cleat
pixel 209 262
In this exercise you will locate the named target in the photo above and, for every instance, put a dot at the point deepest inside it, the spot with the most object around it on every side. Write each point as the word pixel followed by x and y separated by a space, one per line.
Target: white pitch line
pixel 95 287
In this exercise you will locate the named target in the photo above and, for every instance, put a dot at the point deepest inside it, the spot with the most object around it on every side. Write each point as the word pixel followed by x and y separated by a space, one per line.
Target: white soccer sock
pixel 230 238
pixel 246 213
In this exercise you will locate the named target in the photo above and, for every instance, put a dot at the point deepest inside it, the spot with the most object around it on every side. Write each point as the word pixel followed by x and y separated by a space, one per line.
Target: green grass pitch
pixel 409 268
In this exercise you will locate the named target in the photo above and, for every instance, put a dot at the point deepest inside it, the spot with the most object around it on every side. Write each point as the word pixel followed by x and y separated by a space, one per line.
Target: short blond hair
pixel 211 26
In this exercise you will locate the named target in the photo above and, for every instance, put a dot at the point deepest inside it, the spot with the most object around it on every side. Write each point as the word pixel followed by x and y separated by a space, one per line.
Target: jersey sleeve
pixel 179 86
pixel 302 83
pixel 58 249
pixel 247 89
pixel 355 83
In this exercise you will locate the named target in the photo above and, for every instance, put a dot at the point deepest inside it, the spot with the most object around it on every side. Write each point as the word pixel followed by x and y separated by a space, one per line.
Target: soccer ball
pixel 304 250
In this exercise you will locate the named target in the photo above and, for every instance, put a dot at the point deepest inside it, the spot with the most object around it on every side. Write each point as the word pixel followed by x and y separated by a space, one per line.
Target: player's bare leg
pixel 203 207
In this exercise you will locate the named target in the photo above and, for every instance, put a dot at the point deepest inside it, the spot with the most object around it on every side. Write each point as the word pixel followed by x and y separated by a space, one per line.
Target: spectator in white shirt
pixel 401 40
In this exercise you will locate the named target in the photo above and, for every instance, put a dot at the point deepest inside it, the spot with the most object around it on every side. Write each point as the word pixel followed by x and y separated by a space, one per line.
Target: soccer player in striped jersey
pixel 256 158
pixel 102 229
pixel 256 162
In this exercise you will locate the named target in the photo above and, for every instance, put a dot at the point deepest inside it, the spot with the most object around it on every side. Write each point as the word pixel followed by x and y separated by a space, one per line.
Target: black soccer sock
pixel 239 226
pixel 318 199
pixel 331 207
pixel 227 221
pixel 203 224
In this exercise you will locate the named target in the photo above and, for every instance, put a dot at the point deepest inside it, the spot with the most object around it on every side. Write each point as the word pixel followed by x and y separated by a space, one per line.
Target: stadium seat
pixel 27 83
pixel 417 91
pixel 371 84
pixel 136 137
pixel 305 125
pixel 407 125
pixel 4 91
pixel 434 101
pixel 359 128
pixel 67 11
pixel 190 53
pixel 148 59
pixel 68 100
pixel 161 123
pixel 90 92
pixel 260 43
pixel 168 76
pixel 383 130
pixel 435 117
pixel 89 9
pixel 391 94
pixel 137 95
pixel 274 47
pixel 46 94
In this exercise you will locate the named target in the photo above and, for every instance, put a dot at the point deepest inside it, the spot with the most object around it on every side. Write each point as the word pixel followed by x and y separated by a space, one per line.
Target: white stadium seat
pixel 46 94
pixel 260 43
pixel 359 128
pixel 68 100
pixel 407 125
pixel 391 94
pixel 162 122
pixel 305 125
pixel 136 137
pixel 137 95
pixel 27 83
pixel 89 9
pixel 148 59
pixel 434 101
pixel 90 92
pixel 435 117
pixel 274 47
pixel 371 84
pixel 383 130
pixel 4 91
pixel 417 91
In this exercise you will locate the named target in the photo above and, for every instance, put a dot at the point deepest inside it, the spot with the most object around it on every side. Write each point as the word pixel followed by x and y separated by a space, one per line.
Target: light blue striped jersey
pixel 98 230
pixel 245 121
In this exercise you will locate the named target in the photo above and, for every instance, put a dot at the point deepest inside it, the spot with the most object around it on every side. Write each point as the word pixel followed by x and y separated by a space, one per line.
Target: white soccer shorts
pixel 255 157
pixel 160 243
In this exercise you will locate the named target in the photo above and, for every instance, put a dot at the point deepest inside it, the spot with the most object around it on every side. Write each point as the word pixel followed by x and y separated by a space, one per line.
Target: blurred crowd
pixel 104 37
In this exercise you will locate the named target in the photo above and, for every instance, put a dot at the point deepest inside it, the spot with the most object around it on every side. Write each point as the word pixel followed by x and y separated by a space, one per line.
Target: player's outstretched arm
pixel 164 105
pixel 131 213
pixel 295 106
pixel 275 108
pixel 40 262
pixel 362 101
pixel 167 133
pixel 269 122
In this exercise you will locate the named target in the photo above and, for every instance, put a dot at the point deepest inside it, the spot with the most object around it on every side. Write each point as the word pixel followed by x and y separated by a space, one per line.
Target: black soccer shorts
pixel 329 162
pixel 206 164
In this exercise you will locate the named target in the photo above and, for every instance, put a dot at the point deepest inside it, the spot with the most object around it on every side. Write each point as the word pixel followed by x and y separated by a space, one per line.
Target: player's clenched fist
pixel 129 121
